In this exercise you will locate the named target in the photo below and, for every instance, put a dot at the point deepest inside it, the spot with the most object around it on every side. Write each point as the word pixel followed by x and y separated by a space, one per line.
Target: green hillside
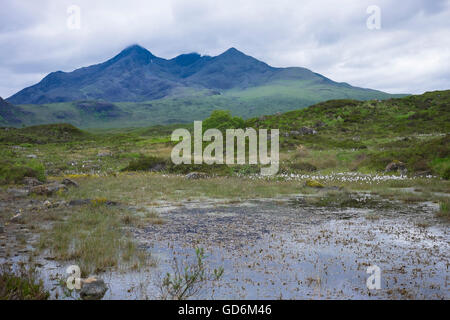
pixel 368 135
pixel 280 96
pixel 345 135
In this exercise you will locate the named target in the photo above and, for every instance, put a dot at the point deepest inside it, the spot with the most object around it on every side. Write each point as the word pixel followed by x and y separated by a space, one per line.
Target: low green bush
pixel 303 166
pixel 13 172
pixel 151 163
pixel 21 284
pixel 145 163
pixel 446 174
pixel 444 209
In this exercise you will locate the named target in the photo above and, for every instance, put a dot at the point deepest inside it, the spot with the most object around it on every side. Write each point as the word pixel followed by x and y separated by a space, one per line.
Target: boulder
pixel 48 189
pixel 396 166
pixel 104 154
pixel 196 175
pixel 69 183
pixel 32 156
pixel 49 204
pixel 31 182
pixel 93 289
pixel 320 124
pixel 79 202
pixel 158 167
pixel 18 218
pixel 18 193
pixel 85 202
pixel 303 131
pixel 307 130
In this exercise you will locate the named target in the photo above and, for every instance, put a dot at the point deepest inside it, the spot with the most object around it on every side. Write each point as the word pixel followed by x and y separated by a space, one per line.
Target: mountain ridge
pixel 136 75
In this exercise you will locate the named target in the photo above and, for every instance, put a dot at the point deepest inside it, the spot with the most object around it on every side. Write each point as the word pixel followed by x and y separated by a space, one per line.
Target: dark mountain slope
pixel 135 74
pixel 232 69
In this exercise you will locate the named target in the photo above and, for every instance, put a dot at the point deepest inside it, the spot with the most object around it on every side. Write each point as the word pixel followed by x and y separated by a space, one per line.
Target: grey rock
pixel 158 167
pixel 32 156
pixel 18 218
pixel 196 175
pixel 396 166
pixel 69 183
pixel 18 193
pixel 93 289
pixel 303 131
pixel 48 189
pixel 320 124
pixel 79 202
pixel 32 182
pixel 104 154
pixel 307 130
pixel 49 204
pixel 62 204
pixel 84 202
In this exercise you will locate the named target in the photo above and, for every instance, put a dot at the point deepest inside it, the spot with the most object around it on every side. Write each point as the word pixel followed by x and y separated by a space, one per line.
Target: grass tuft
pixel 21 284
pixel 444 209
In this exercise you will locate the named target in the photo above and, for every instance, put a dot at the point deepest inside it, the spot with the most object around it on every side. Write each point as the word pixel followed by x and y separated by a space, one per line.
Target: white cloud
pixel 410 53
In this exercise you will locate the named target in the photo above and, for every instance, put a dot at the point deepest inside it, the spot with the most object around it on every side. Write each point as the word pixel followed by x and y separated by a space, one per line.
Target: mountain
pixel 136 75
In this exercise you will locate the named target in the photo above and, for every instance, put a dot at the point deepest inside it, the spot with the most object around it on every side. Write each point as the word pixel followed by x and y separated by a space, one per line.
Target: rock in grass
pixel 314 184
pixel 85 202
pixel 17 218
pixel 31 182
pixel 396 166
pixel 18 193
pixel 104 154
pixel 196 175
pixel 79 202
pixel 304 131
pixel 48 189
pixel 93 289
pixel 69 183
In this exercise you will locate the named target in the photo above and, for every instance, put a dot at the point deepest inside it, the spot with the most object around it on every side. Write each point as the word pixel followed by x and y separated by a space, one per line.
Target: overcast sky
pixel 410 53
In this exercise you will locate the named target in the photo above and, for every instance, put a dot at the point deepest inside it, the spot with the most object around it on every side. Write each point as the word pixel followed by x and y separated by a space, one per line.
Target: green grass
pixel 21 283
pixel 42 134
pixel 15 172
pixel 444 209
pixel 366 136
pixel 362 136
pixel 148 187
pixel 93 237
pixel 278 96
